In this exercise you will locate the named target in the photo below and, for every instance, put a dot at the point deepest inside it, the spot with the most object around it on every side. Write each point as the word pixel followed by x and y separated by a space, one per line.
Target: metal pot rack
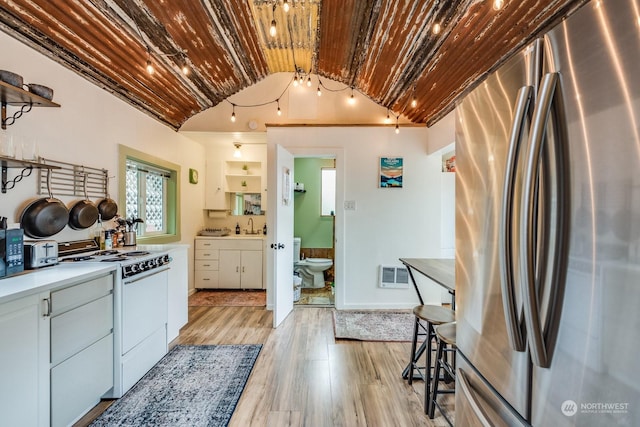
pixel 67 179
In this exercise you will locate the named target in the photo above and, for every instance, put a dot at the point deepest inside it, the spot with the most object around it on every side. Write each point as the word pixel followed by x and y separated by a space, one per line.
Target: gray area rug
pixel 195 385
pixel 373 325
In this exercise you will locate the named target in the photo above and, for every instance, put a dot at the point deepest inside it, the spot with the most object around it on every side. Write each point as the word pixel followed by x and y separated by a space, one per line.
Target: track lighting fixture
pixel 233 113
pixel 237 153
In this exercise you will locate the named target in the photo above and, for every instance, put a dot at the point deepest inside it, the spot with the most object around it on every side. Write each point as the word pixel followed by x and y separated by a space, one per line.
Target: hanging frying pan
pixel 44 217
pixel 107 207
pixel 84 213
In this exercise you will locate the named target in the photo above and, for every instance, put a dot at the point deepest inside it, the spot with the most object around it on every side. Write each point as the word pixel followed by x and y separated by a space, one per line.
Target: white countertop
pixel 235 236
pixel 47 278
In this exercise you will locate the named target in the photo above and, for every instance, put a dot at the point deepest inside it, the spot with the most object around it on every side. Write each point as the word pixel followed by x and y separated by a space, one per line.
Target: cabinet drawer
pixel 206 279
pixel 207 254
pixel 80 327
pixel 205 244
pixel 78 383
pixel 206 265
pixel 74 296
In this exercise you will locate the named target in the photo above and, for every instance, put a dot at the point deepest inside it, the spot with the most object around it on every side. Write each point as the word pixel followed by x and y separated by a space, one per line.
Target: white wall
pixel 87 129
pixel 388 223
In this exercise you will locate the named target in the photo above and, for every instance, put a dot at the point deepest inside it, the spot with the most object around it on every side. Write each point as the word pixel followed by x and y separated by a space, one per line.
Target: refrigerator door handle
pixel 465 387
pixel 512 319
pixel 533 322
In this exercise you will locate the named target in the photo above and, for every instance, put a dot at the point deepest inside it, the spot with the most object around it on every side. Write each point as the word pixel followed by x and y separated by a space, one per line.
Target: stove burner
pixel 114 259
pixel 78 258
pixel 137 253
pixel 107 252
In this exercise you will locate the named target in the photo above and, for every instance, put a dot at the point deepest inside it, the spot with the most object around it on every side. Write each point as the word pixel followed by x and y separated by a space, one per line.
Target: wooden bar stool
pixel 446 338
pixel 426 318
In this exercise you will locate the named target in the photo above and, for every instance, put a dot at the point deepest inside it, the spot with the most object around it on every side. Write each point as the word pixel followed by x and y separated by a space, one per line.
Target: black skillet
pixel 84 213
pixel 44 217
pixel 107 207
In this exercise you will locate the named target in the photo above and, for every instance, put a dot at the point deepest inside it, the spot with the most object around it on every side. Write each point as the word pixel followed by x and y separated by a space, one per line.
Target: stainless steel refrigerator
pixel 548 230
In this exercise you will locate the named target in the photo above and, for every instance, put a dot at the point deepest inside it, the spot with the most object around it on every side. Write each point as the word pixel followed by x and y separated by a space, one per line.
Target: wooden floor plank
pixel 304 377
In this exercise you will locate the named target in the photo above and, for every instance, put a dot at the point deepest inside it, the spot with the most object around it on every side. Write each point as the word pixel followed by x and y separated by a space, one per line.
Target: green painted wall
pixel 315 231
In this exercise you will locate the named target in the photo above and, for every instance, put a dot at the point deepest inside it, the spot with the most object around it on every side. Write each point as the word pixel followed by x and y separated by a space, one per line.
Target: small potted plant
pixel 245 168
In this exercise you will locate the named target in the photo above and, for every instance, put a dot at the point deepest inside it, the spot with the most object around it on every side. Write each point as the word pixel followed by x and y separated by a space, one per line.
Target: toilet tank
pixel 296 249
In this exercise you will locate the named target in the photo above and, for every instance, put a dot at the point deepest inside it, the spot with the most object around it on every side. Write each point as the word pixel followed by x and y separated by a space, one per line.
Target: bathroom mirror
pixel 328 200
pixel 246 204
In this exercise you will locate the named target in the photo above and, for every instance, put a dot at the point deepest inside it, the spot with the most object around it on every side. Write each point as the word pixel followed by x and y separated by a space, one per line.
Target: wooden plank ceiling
pixel 386 49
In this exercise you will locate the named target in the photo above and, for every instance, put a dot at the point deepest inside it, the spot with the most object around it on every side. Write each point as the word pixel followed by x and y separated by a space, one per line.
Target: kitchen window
pixel 149 190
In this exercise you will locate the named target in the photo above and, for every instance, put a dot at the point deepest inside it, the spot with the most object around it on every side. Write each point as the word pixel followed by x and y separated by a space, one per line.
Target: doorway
pixel 314 229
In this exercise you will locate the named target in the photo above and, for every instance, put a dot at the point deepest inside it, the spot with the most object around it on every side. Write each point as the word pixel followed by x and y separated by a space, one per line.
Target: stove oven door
pixel 144 323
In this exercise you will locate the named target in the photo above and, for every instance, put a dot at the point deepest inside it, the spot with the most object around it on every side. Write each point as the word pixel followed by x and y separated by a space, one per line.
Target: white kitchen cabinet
pixel 24 361
pixel 178 292
pixel 215 194
pixel 240 269
pixel 229 263
pixel 81 348
pixel 206 264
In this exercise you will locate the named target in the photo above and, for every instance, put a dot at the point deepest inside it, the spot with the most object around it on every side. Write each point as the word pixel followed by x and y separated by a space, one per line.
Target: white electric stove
pixel 140 307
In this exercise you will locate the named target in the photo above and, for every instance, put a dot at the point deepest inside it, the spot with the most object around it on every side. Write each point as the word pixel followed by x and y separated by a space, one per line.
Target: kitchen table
pixel 440 270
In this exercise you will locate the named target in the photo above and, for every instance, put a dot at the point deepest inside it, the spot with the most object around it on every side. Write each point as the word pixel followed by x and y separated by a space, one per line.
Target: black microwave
pixel 11 252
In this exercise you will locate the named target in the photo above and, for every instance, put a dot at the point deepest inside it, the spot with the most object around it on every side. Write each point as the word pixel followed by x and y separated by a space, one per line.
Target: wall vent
pixel 393 277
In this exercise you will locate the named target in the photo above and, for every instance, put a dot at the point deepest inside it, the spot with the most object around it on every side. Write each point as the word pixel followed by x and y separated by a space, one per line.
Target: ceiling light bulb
pixel 272 30
pixel 285 6
pixel 497 4
pixel 319 91
pixel 295 80
pixel 397 128
pixel 237 154
pixel 233 117
pixel 436 28
pixel 150 69
pixel 388 119
pixel 185 70
pixel 309 81
pixel 414 103
pixel 352 99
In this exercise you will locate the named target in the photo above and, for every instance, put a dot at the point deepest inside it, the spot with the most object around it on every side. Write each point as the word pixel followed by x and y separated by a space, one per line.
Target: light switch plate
pixel 349 205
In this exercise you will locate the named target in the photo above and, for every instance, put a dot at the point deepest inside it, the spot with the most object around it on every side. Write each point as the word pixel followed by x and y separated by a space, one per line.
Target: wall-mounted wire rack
pixel 68 180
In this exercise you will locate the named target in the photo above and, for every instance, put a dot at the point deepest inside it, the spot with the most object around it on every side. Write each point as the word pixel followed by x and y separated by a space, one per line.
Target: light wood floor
pixel 304 377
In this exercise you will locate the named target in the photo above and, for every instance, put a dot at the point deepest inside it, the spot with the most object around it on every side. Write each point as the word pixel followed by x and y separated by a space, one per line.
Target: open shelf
pixel 15 96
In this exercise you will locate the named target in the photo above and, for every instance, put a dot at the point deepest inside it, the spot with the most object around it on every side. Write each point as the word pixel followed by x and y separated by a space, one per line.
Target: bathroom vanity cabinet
pixel 229 262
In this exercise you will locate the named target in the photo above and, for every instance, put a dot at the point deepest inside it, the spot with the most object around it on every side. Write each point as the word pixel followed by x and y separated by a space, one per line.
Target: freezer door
pixel 594 376
pixel 483 128
pixel 477 404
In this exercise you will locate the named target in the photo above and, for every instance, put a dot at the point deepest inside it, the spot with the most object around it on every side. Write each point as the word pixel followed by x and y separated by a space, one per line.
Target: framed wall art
pixel 391 172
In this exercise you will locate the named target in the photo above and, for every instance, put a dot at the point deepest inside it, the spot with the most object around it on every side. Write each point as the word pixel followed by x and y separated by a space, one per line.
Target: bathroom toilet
pixel 311 270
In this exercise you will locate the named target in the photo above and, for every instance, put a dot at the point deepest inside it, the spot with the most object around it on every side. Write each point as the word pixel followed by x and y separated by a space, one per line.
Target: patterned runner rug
pixel 373 325
pixel 193 385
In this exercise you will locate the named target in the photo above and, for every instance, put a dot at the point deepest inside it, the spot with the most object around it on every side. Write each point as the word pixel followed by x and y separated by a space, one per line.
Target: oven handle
pixel 152 273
